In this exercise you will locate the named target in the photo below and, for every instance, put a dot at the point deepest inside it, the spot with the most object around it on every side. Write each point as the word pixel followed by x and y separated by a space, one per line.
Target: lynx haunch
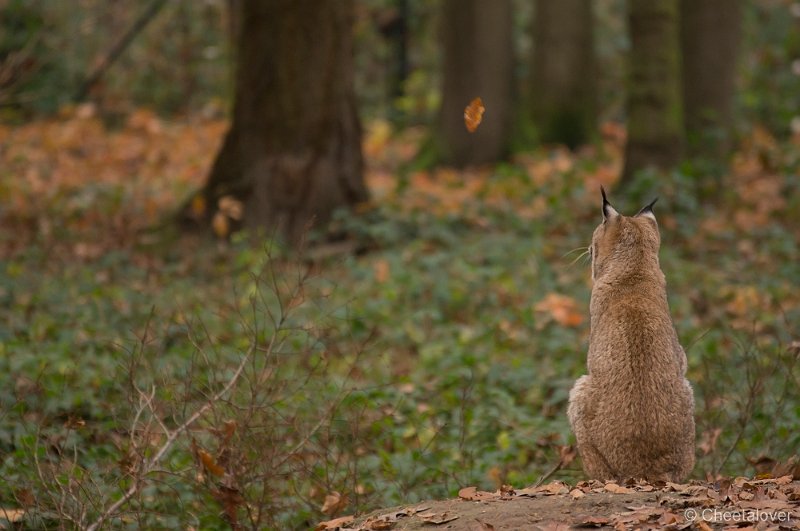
pixel 633 413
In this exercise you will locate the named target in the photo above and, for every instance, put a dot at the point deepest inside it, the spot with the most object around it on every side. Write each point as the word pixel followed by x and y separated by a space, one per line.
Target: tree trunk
pixel 563 87
pixel 655 115
pixel 293 152
pixel 478 62
pixel 710 35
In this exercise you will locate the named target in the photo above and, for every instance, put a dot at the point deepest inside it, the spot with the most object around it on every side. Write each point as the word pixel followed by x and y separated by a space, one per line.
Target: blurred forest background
pixel 417 312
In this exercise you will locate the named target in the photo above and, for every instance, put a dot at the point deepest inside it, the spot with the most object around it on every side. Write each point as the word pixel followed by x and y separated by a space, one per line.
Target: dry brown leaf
pixel 506 490
pixel 381 270
pixel 12 515
pixel 556 487
pixel 209 463
pixel 334 503
pixel 617 489
pixel 230 499
pixel 593 521
pixel 668 518
pixel 473 114
pixel 561 308
pixel 220 225
pixel 437 518
pixel 336 523
pixel 473 494
pixel 702 526
pixel 231 207
pixel 577 493
pixel 378 524
pixel 485 526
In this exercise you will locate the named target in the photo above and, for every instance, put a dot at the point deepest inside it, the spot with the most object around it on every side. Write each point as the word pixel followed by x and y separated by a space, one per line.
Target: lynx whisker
pixel 584 254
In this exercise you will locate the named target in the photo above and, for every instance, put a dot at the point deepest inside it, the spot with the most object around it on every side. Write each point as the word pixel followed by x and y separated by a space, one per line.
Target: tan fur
pixel 633 414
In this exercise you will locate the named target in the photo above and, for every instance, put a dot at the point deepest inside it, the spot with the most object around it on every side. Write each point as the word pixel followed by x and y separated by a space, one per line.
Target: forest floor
pixel 772 503
pixel 438 355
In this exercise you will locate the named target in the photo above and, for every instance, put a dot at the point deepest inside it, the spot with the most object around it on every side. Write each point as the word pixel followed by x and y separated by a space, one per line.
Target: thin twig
pixel 118 48
pixel 171 437
pixel 550 473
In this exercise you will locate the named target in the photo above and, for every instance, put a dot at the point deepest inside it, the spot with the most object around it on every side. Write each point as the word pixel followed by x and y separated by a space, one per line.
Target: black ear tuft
pixel 648 209
pixel 608 210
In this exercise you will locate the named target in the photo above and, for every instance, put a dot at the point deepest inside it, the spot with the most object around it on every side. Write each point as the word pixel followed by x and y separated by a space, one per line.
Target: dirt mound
pixel 740 503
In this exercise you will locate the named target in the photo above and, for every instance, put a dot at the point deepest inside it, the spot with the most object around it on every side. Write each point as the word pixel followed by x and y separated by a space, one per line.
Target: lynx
pixel 633 413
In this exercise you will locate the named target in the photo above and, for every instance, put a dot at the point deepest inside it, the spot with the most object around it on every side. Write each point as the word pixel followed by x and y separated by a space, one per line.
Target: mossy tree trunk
pixel 711 31
pixel 293 151
pixel 478 61
pixel 654 108
pixel 563 91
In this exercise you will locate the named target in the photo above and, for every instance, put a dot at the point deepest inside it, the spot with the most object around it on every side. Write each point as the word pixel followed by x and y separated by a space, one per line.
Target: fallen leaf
pixel 436 518
pixel 473 494
pixel 378 524
pixel 593 521
pixel 473 114
pixel 334 503
pixel 702 526
pixel 617 489
pixel 336 523
pixel 381 270
pixel 668 518
pixel 577 493
pixel 485 526
pixel 562 309
pixel 220 225
pixel 12 515
pixel 556 487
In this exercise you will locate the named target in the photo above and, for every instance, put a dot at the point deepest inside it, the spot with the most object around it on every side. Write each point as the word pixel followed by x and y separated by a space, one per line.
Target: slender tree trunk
pixel 655 114
pixel 563 88
pixel 478 62
pixel 711 31
pixel 293 152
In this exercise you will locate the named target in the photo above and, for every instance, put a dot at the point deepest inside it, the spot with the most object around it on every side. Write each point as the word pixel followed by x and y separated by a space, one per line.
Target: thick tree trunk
pixel 478 61
pixel 563 88
pixel 710 35
pixel 293 152
pixel 655 115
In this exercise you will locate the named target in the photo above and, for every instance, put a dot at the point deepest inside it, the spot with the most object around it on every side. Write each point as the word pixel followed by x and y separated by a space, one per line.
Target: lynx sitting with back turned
pixel 633 414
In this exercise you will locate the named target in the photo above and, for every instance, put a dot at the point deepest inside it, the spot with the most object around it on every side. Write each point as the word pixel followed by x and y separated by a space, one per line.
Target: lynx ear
pixel 608 211
pixel 648 210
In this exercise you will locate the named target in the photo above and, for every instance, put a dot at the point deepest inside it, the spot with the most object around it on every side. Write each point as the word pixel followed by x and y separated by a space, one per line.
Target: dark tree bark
pixel 293 152
pixel 563 88
pixel 655 113
pixel 711 31
pixel 478 61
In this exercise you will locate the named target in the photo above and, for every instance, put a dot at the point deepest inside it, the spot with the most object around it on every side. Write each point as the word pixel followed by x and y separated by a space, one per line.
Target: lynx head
pixel 623 245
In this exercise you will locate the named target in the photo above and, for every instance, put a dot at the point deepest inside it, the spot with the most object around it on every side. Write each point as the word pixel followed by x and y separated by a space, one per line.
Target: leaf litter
pixel 595 504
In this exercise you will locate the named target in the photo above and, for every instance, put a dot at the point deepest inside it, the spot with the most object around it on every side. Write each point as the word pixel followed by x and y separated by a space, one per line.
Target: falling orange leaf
pixel 473 114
